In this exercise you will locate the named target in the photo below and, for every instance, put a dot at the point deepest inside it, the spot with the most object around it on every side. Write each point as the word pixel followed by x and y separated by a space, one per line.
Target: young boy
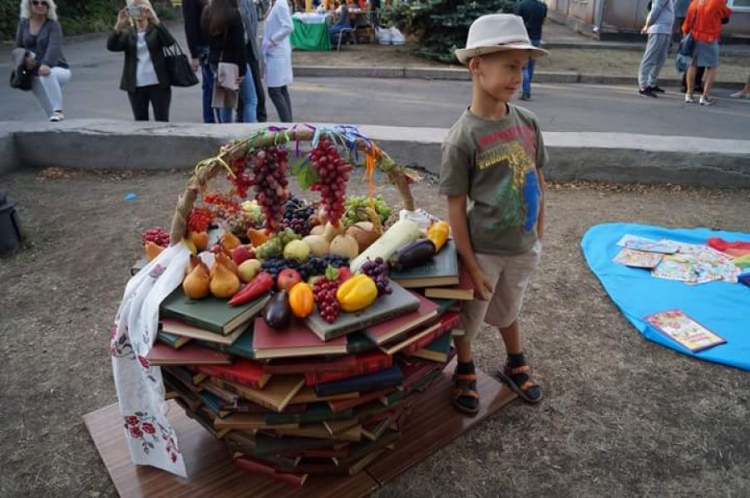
pixel 492 160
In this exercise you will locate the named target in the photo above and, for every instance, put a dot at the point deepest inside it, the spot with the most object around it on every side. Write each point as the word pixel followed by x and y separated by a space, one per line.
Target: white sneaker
pixel 689 99
pixel 57 116
pixel 740 95
pixel 705 101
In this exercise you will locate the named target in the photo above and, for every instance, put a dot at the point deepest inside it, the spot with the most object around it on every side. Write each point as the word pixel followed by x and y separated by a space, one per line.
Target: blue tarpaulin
pixel 720 306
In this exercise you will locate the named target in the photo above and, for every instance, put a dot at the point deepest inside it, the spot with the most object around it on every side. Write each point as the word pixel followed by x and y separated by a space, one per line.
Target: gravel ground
pixel 622 416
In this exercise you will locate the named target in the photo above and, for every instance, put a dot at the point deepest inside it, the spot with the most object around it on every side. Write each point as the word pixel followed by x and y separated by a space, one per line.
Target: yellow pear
pixel 152 250
pixel 230 241
pixel 197 283
pixel 224 283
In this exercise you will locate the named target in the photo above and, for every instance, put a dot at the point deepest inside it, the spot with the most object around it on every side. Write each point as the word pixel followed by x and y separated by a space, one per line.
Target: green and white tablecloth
pixel 310 36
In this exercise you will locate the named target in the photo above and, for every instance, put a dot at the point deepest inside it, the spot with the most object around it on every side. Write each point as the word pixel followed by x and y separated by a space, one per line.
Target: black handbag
pixel 687 44
pixel 178 67
pixel 21 78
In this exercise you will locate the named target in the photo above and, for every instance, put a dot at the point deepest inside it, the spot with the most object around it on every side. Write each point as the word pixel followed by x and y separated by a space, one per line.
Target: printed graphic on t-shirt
pixel 518 191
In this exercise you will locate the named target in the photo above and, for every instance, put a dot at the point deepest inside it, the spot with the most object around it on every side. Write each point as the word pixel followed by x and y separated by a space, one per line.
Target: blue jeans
pixel 528 71
pixel 249 99
pixel 207 86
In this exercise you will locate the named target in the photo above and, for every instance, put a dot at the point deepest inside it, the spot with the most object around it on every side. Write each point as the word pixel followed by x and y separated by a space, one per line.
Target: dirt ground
pixel 622 416
pixel 607 62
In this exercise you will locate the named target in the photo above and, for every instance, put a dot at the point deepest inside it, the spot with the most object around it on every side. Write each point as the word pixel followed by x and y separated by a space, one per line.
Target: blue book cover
pixel 368 382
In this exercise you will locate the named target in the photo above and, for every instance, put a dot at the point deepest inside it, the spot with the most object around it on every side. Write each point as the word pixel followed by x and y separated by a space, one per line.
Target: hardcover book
pixel 258 467
pixel 678 326
pixel 384 308
pixel 171 340
pixel 418 340
pixel 294 341
pixel 242 371
pixel 441 271
pixel 210 314
pixel 368 382
pixel 192 354
pixel 242 345
pixel 463 291
pixel 365 363
pixel 307 365
pixel 276 394
pixel 391 329
pixel 437 350
pixel 183 329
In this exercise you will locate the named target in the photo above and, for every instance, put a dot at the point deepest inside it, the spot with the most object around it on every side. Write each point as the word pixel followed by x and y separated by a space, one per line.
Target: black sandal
pixel 464 393
pixel 519 381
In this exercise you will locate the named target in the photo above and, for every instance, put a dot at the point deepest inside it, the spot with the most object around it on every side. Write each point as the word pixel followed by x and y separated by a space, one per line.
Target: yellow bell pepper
pixel 438 234
pixel 357 293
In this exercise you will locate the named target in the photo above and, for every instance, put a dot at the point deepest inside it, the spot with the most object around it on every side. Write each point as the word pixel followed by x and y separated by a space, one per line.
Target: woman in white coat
pixel 277 55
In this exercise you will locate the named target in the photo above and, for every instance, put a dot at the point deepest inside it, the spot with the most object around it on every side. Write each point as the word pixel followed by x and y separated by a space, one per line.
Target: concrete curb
pixel 451 74
pixel 614 157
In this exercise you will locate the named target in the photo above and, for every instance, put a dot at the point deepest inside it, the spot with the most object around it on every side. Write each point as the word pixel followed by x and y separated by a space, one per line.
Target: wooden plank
pixel 209 465
pixel 432 424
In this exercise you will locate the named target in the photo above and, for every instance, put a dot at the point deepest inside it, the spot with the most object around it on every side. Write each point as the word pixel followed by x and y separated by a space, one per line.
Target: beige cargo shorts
pixel 509 275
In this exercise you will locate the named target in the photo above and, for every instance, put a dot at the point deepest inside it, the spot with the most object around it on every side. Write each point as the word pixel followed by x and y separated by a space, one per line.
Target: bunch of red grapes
pixel 324 294
pixel 334 173
pixel 268 176
pixel 155 235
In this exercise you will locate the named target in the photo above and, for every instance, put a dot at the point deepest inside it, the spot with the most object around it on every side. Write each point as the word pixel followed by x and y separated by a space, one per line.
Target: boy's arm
pixel 540 217
pixel 460 231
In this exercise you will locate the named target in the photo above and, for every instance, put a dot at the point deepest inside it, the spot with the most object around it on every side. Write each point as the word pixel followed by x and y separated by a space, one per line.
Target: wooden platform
pixel 432 424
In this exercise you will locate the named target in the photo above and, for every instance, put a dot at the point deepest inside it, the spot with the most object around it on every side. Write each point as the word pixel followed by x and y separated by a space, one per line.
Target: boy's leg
pixel 503 313
pixel 465 396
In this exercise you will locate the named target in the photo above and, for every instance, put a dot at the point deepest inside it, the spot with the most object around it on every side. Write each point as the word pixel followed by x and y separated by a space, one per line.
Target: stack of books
pixel 315 398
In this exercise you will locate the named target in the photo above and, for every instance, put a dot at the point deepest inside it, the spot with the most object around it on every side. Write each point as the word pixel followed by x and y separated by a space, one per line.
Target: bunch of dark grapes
pixel 155 235
pixel 297 216
pixel 378 271
pixel 268 176
pixel 334 173
pixel 335 260
pixel 311 267
pixel 324 294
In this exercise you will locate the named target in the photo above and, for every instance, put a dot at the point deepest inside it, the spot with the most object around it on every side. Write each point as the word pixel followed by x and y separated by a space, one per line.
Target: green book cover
pixel 398 303
pixel 171 340
pixel 442 270
pixel 437 350
pixel 210 313
pixel 242 347
pixel 313 414
pixel 361 450
pixel 266 445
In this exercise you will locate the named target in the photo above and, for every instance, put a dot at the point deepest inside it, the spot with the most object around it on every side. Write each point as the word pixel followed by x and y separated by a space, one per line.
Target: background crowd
pixel 237 67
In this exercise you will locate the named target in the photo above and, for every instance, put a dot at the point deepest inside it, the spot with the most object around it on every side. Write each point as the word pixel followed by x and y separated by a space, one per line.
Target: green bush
pixel 441 26
pixel 78 16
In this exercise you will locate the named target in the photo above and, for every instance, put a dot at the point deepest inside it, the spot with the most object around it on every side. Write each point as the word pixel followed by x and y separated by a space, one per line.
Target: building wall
pixel 628 16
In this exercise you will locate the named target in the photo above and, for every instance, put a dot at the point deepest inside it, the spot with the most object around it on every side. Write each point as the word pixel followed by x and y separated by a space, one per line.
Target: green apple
pixel 248 269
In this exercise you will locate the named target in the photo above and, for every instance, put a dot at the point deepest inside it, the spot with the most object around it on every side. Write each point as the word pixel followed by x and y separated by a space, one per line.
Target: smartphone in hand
pixel 134 10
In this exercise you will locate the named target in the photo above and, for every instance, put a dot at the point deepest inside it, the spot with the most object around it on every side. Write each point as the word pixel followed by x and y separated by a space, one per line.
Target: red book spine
pixel 448 321
pixel 249 380
pixel 366 363
pixel 282 367
pixel 256 467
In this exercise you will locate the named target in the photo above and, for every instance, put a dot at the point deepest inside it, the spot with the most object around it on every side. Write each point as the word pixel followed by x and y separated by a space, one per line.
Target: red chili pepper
pixel 262 283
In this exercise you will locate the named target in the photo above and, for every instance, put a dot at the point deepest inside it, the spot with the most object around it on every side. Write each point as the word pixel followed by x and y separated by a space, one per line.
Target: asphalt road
pixel 94 93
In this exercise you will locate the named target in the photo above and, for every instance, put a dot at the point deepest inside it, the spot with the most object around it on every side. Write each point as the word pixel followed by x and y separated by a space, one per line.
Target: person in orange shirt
pixel 703 22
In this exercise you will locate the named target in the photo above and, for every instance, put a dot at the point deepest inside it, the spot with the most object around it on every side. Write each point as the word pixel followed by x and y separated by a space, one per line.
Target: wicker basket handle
pixel 208 169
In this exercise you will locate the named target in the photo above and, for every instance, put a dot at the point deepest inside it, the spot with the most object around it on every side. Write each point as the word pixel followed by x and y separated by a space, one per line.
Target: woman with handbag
pixel 139 34
pixel 223 28
pixel 703 24
pixel 41 36
pixel 277 55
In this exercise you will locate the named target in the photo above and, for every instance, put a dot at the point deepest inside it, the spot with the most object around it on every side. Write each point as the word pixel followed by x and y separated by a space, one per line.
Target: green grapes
pixel 355 206
pixel 275 245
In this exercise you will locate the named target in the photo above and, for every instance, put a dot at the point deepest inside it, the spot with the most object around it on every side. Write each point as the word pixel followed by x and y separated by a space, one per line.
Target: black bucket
pixel 10 225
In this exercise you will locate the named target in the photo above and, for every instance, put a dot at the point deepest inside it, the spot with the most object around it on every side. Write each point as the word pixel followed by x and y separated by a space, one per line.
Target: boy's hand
pixel 482 284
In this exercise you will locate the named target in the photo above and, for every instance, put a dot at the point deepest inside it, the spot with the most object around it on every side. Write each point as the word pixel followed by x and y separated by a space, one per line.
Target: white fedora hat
pixel 496 33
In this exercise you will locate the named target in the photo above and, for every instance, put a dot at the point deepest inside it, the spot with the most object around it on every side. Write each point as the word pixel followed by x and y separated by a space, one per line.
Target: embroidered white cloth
pixel 140 389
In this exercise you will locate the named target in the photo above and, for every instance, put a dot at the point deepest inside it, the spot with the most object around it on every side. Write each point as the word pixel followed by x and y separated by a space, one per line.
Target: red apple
pixel 242 253
pixel 287 279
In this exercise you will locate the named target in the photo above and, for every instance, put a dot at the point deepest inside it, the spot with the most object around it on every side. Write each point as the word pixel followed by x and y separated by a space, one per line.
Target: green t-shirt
pixel 494 163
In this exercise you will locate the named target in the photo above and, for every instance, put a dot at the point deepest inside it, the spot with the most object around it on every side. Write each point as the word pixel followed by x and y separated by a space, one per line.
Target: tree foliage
pixel 76 16
pixel 441 26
